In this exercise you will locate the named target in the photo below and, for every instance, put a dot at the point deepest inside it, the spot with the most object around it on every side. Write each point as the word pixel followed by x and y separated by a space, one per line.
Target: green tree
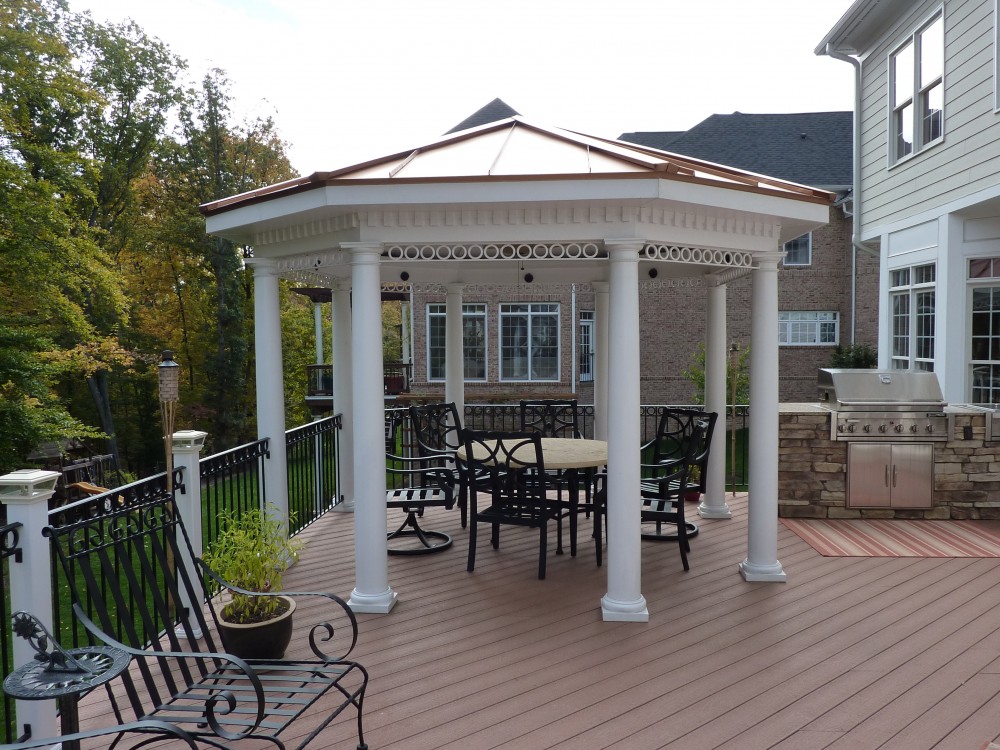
pixel 737 375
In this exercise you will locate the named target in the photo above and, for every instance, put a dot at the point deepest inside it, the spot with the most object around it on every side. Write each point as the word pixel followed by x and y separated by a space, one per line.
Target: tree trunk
pixel 98 384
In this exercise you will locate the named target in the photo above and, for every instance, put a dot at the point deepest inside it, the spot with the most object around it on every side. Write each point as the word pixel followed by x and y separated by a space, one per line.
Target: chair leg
pixel 543 544
pixel 472 547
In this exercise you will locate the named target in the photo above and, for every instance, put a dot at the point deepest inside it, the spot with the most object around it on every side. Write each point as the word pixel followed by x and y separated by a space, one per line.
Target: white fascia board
pixel 237 224
pixel 778 209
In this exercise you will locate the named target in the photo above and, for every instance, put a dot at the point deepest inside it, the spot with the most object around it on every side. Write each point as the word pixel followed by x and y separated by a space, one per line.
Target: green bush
pixel 854 356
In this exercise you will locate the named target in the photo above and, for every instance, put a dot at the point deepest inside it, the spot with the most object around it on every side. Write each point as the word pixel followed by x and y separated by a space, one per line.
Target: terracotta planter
pixel 692 496
pixel 259 640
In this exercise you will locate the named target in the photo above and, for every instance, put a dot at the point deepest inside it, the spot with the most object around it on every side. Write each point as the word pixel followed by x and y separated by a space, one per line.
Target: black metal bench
pixel 124 561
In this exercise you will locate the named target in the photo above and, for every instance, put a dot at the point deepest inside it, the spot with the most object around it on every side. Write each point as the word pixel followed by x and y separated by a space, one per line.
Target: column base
pixel 377 604
pixel 345 507
pixel 614 611
pixel 715 511
pixel 763 573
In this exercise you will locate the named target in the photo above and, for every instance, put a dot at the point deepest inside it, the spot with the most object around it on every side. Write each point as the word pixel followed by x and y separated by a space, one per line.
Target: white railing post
pixel 187 446
pixel 26 494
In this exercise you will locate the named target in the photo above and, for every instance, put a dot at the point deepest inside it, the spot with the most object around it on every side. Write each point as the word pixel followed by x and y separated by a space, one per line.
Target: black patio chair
pixel 663 493
pixel 416 483
pixel 507 485
pixel 436 430
pixel 551 417
pixel 558 418
pixel 673 435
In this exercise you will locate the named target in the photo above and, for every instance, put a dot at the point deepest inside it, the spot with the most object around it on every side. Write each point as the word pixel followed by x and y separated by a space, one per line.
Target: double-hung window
pixel 984 364
pixel 916 86
pixel 912 308
pixel 529 341
pixel 473 341
pixel 807 328
pixel 798 252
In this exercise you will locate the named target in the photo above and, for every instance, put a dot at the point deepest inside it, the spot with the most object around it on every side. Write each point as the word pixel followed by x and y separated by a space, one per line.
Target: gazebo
pixel 516 203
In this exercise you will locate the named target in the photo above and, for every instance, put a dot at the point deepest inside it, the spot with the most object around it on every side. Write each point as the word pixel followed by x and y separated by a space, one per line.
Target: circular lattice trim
pixel 496 251
pixel 698 255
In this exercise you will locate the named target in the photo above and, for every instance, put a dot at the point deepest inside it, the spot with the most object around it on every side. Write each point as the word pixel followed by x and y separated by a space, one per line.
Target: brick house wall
pixel 673 326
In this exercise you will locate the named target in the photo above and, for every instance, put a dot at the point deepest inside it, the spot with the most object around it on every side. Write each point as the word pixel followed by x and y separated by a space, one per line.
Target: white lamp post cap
pixel 27 483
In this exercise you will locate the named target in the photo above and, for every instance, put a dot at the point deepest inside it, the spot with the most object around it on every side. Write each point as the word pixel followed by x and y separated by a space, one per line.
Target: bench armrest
pixel 147 726
pixel 320 632
pixel 220 703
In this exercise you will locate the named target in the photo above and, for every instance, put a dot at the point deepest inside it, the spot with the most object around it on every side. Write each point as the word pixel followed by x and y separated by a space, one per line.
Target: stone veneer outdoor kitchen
pixel 812 468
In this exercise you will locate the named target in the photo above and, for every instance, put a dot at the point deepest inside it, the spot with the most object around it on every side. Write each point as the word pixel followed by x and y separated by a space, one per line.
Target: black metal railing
pixel 66 629
pixel 313 461
pixel 231 481
pixel 9 547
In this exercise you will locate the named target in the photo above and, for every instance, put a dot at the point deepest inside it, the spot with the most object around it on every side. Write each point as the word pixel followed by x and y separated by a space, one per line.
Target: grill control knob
pixel 850 428
pixel 913 428
pixel 899 428
pixel 840 427
pixel 930 427
pixel 881 428
pixel 868 428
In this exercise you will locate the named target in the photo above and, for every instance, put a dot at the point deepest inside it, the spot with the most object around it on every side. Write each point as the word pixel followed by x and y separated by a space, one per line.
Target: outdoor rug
pixel 896 538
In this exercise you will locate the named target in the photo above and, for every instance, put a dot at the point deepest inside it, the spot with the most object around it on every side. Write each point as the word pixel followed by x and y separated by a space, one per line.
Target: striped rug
pixel 882 538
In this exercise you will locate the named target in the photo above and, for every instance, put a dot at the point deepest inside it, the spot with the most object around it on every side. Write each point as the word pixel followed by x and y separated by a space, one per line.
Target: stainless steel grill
pixel 876 405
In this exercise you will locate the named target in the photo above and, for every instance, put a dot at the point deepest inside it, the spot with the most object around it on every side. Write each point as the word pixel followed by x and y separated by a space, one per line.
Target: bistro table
pixel 570 455
pixel 61 674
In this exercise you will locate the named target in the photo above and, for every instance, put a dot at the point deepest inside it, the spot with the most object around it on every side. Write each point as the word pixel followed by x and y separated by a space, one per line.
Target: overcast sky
pixel 348 80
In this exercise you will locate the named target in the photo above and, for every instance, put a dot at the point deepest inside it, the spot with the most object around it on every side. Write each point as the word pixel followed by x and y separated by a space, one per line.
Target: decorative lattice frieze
pixel 698 255
pixel 496 251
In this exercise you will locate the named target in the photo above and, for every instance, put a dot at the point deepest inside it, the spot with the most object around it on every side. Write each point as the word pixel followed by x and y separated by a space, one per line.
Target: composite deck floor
pixel 849 653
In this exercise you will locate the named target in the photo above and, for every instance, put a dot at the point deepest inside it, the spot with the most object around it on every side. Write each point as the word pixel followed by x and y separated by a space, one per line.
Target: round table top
pixel 33 681
pixel 568 453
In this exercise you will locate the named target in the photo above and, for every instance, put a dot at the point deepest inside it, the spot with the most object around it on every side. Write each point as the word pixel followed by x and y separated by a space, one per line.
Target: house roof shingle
pixel 496 110
pixel 811 148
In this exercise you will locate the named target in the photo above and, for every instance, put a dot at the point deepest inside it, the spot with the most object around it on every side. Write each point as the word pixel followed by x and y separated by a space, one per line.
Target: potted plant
pixel 251 553
pixel 691 493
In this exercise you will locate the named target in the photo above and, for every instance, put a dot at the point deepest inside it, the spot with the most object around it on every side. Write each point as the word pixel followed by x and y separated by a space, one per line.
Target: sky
pixel 350 80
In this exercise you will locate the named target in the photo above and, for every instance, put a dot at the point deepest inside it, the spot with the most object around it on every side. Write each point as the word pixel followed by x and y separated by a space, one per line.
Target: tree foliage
pixel 105 155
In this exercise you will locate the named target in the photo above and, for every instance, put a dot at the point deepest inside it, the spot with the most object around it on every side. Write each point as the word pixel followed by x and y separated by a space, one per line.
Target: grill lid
pixel 881 390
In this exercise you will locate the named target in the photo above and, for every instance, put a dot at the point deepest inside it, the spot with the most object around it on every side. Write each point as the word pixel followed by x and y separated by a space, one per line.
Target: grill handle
pixel 887 475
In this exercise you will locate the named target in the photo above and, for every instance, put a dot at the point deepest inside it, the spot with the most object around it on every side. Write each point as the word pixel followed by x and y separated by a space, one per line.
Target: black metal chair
pixel 558 418
pixel 551 417
pixel 507 485
pixel 416 483
pixel 180 675
pixel 674 433
pixel 436 430
pixel 663 492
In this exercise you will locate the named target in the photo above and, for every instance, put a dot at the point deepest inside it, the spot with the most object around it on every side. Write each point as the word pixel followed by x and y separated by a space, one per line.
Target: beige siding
pixel 968 160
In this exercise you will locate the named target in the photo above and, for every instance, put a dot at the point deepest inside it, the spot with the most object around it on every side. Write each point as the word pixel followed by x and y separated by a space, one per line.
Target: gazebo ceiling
pixel 538 193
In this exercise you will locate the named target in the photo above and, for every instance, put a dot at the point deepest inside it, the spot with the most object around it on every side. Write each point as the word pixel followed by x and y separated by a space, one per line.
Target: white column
pixel 187 445
pixel 624 600
pixel 601 360
pixel 270 385
pixel 26 494
pixel 713 503
pixel 343 389
pixel 371 591
pixel 318 321
pixel 454 357
pixel 762 512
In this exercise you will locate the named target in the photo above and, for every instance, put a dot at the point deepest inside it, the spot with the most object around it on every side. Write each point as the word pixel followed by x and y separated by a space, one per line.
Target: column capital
pixel 363 252
pixel 624 249
pixel 340 285
pixel 768 261
pixel 454 288
pixel 262 266
pixel 600 287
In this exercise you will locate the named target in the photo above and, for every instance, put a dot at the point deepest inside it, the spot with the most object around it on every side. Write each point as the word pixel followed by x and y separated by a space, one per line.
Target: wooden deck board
pixel 849 653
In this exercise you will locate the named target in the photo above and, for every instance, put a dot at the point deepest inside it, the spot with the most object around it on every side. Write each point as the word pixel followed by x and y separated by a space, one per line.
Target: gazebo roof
pixel 516 149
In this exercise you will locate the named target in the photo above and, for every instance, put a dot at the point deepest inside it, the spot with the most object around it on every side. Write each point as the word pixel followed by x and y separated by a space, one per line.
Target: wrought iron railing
pixel 9 547
pixel 231 481
pixel 313 460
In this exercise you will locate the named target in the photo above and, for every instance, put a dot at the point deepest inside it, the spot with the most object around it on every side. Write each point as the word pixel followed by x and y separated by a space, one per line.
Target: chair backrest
pixel 508 466
pixel 123 555
pixel 551 417
pixel 674 434
pixel 436 428
pixel 674 474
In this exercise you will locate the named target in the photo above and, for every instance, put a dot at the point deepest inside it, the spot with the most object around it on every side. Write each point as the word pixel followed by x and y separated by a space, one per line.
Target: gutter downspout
pixel 856 243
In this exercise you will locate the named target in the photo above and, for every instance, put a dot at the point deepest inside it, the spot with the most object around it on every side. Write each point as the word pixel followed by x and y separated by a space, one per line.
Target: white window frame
pixel 809 252
pixel 794 324
pixel 917 94
pixel 469 310
pixel 588 323
pixel 912 292
pixel 535 310
pixel 983 372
